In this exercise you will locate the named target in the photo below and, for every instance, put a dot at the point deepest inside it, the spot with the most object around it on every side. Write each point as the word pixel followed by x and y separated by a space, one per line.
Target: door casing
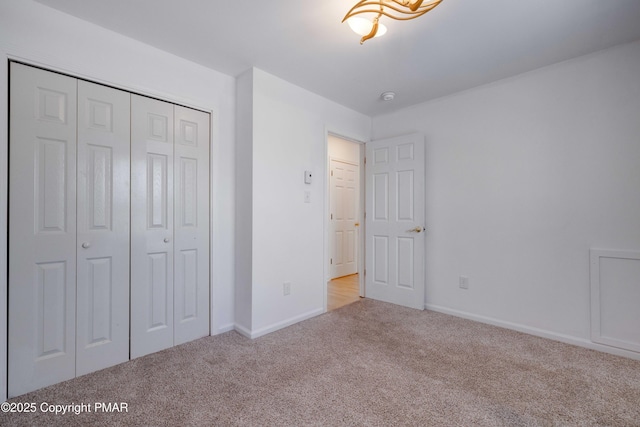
pixel 327 218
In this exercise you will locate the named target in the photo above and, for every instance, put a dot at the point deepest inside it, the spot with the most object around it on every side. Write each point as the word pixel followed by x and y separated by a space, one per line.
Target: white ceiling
pixel 458 45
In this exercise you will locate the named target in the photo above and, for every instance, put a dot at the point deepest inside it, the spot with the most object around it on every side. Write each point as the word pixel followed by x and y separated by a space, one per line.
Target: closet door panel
pixel 151 225
pixel 103 227
pixel 191 228
pixel 42 231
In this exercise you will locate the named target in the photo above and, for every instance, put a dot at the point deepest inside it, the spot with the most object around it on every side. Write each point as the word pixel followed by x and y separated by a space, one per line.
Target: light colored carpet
pixel 368 363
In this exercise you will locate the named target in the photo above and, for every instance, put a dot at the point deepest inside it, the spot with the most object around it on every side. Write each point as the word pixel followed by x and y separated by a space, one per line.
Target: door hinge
pixel 331 216
pixel 331 262
pixel 365 215
pixel 365 272
pixel 365 160
pixel 331 173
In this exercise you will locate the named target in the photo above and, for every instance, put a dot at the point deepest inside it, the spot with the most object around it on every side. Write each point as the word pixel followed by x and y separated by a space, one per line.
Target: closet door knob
pixel 166 240
pixel 85 245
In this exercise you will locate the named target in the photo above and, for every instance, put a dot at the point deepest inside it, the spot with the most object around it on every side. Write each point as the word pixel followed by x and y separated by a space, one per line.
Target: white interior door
pixel 395 220
pixel 42 230
pixel 102 227
pixel 191 225
pixel 344 192
pixel 151 225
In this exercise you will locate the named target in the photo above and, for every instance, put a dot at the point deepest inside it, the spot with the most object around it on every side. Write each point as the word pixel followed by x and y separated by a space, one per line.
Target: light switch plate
pixel 463 282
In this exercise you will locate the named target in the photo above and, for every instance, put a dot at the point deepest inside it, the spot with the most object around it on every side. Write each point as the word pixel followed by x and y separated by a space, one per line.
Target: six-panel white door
pixel 395 220
pixel 344 194
pixel 42 231
pixel 102 227
pixel 151 225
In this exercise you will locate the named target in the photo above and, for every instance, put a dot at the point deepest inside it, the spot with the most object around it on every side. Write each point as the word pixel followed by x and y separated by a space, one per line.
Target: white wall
pixel 39 35
pixel 289 130
pixel 244 202
pixel 523 177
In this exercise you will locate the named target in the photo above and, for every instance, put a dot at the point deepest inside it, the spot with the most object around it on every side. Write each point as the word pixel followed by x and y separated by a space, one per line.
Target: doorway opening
pixel 343 291
pixel 345 231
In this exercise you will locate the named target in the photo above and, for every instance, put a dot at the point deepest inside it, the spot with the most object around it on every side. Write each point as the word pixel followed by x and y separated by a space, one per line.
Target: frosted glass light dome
pixel 362 26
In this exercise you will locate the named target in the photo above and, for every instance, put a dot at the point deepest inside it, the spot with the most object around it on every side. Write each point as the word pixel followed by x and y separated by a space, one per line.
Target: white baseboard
pixel 568 339
pixel 272 328
pixel 224 328
pixel 242 330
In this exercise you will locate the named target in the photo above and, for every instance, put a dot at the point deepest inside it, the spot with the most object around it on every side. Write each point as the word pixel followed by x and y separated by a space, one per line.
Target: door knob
pixel 85 245
pixel 166 240
pixel 416 230
pixel 357 224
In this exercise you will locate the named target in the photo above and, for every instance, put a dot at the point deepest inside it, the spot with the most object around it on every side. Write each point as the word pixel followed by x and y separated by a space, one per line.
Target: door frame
pixel 327 218
pixel 331 236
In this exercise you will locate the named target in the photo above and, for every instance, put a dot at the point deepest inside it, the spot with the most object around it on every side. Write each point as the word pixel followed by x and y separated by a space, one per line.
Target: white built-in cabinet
pixel 108 227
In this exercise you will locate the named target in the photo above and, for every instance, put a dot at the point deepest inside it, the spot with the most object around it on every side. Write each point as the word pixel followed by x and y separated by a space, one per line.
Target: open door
pixel 395 220
pixel 344 199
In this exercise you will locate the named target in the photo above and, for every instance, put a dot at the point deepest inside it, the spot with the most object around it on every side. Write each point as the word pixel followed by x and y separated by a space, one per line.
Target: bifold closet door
pixel 42 229
pixel 191 225
pixel 102 227
pixel 69 228
pixel 151 225
pixel 170 225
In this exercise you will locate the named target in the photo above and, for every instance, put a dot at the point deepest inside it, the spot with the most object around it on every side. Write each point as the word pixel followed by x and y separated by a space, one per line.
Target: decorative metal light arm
pixel 373 32
pixel 401 10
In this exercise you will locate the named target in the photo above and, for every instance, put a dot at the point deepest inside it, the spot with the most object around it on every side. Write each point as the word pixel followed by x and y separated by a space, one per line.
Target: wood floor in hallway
pixel 342 291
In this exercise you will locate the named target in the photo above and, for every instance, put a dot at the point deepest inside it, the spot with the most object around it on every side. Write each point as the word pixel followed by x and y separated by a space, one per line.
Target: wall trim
pixel 598 317
pixel 279 325
pixel 224 328
pixel 242 330
pixel 567 339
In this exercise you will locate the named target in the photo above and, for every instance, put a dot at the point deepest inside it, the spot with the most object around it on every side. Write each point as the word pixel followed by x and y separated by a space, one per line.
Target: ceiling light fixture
pixel 363 26
pixel 402 10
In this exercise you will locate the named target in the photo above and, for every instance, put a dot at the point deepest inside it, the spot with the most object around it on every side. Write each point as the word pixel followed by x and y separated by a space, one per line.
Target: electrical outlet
pixel 464 282
pixel 286 288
